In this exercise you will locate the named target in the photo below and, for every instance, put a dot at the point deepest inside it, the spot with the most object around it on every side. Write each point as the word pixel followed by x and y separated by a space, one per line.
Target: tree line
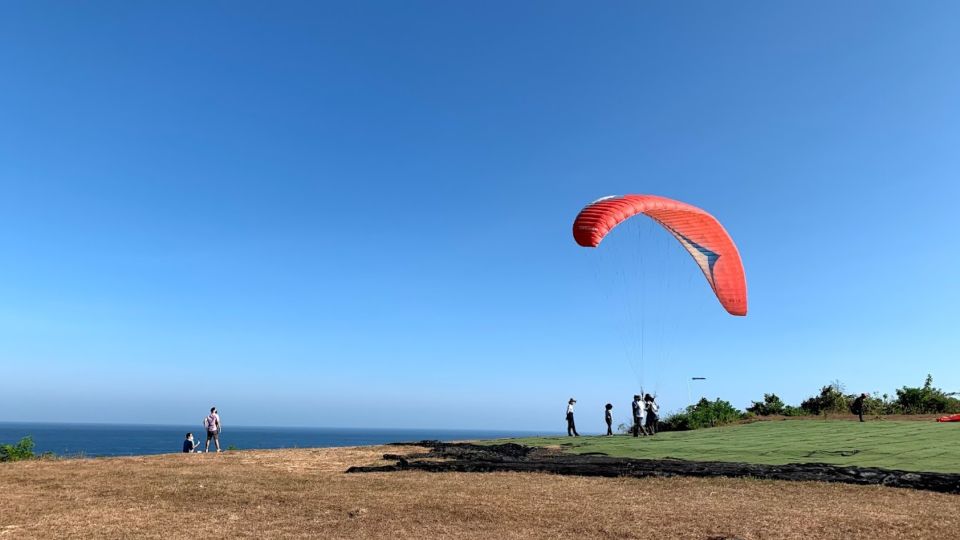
pixel 832 399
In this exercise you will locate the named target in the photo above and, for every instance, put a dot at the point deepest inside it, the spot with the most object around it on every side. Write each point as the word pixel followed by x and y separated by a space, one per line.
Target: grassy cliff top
pixel 905 445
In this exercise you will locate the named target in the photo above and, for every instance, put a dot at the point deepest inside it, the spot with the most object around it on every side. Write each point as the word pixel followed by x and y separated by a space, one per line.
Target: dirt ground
pixel 304 493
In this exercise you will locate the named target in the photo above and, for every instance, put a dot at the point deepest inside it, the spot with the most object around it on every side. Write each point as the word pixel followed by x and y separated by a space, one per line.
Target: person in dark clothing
pixel 650 405
pixel 571 427
pixel 608 416
pixel 189 445
pixel 857 406
pixel 638 416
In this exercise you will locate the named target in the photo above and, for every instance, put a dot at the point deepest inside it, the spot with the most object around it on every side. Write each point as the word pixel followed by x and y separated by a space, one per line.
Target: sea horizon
pixel 104 439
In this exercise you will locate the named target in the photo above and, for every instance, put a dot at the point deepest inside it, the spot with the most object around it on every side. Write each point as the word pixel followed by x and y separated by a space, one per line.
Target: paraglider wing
pixel 697 231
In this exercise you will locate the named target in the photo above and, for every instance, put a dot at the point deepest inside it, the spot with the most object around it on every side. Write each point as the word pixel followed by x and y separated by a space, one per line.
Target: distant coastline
pixel 99 440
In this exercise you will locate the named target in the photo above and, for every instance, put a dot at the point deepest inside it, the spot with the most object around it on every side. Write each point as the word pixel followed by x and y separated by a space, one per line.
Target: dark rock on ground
pixel 466 457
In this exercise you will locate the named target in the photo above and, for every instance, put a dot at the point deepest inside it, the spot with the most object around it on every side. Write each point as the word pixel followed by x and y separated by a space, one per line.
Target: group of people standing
pixel 211 425
pixel 645 416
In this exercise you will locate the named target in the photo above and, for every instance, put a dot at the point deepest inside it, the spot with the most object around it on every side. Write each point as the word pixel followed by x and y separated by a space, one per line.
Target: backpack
pixel 210 422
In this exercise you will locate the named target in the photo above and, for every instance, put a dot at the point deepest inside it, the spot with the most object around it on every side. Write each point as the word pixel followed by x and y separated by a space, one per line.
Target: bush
pixel 877 405
pixel 830 400
pixel 704 414
pixel 17 452
pixel 770 405
pixel 926 399
pixel 790 410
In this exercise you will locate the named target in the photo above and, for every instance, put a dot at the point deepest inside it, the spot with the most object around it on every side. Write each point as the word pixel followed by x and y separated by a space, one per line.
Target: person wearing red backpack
pixel 212 423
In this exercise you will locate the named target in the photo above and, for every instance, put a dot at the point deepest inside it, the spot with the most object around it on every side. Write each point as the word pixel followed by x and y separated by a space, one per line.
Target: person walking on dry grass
pixel 212 423
pixel 571 426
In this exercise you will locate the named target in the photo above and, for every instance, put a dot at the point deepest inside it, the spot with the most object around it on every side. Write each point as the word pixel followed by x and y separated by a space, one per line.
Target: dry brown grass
pixel 304 493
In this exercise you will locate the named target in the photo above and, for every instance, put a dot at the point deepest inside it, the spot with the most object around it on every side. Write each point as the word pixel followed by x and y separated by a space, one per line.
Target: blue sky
pixel 358 214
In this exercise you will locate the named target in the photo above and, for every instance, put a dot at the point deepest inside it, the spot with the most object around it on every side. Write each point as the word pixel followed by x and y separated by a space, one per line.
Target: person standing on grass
pixel 212 423
pixel 571 427
pixel 608 416
pixel 857 406
pixel 651 408
pixel 639 416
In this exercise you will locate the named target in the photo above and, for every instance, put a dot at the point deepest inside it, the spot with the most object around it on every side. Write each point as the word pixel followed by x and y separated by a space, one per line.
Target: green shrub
pixel 704 414
pixel 17 452
pixel 926 399
pixel 877 405
pixel 830 400
pixel 770 405
pixel 790 410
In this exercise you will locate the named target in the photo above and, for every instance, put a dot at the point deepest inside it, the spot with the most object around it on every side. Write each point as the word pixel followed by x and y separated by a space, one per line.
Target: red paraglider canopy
pixel 700 234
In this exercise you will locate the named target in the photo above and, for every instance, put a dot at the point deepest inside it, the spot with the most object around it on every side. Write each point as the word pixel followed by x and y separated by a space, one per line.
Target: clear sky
pixel 359 214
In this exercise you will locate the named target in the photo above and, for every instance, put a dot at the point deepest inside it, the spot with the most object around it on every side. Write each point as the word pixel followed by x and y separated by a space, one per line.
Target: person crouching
pixel 190 445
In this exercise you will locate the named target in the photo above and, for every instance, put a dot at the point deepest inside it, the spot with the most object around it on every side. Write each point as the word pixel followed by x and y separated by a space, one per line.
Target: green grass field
pixel 905 445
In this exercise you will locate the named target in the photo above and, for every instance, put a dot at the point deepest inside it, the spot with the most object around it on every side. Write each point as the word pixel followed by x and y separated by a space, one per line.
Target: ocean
pixel 93 440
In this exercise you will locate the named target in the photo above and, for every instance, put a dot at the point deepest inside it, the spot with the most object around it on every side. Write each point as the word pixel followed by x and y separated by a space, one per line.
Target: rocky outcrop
pixel 466 457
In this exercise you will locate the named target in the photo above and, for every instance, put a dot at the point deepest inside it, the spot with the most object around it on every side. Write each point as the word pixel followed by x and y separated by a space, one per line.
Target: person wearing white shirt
pixel 571 427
